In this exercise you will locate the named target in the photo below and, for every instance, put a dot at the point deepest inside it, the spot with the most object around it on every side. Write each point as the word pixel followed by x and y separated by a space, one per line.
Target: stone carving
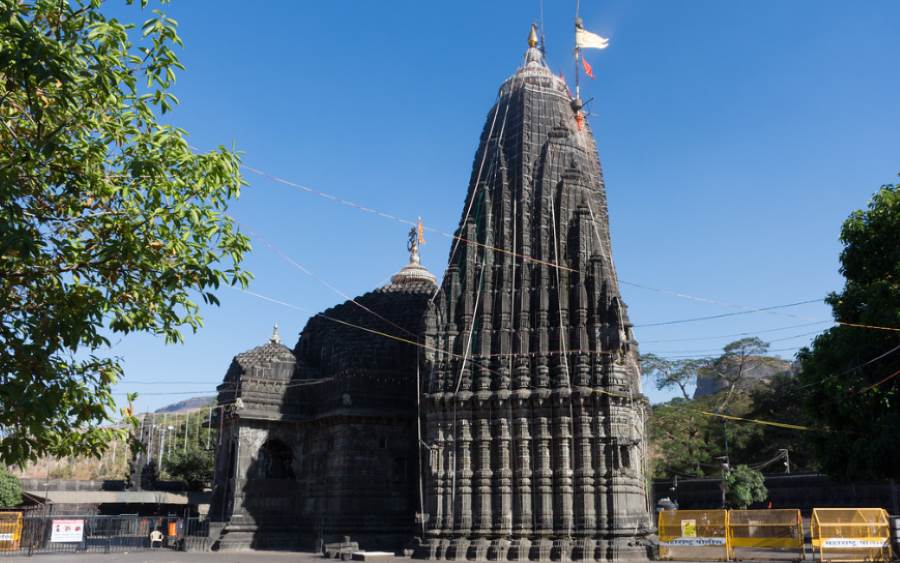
pixel 534 380
pixel 532 417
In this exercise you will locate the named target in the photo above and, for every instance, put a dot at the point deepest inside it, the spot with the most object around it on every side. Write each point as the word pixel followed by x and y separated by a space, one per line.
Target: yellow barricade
pixel 693 534
pixel 10 530
pixel 851 534
pixel 760 534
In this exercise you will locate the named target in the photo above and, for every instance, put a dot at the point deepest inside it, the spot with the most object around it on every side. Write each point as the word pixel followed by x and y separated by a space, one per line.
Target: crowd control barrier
pixel 765 534
pixel 10 530
pixel 693 534
pixel 851 534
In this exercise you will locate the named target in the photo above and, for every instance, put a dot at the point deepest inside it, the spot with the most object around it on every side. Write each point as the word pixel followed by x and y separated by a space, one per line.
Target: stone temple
pixel 497 416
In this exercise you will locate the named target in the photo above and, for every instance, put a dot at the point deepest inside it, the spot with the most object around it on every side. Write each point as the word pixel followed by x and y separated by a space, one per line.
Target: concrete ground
pixel 168 556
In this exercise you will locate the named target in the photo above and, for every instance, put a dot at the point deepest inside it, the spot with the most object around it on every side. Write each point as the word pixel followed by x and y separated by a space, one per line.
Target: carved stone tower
pixel 534 417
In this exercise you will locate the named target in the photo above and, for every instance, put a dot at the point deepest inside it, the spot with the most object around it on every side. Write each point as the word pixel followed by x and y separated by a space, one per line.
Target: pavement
pixel 168 556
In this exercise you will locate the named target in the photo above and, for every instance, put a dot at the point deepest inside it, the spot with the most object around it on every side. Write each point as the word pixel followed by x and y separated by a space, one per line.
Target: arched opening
pixel 275 461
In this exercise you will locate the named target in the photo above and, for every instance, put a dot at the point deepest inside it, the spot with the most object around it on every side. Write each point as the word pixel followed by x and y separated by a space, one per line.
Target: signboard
pixel 689 528
pixel 67 531
pixel 854 542
pixel 7 537
pixel 692 542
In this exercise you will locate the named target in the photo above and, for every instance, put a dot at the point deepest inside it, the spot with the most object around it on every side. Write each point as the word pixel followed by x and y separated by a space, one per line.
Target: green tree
pixel 109 221
pixel 685 441
pixel 194 467
pixel 781 400
pixel 10 489
pixel 744 486
pixel 851 375
pixel 732 369
pixel 669 373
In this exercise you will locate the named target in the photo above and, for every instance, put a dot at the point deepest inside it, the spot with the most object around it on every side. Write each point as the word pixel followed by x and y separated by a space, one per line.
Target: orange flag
pixel 587 68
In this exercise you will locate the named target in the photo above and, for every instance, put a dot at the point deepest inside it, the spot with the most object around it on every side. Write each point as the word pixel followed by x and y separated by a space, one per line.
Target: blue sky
pixel 735 138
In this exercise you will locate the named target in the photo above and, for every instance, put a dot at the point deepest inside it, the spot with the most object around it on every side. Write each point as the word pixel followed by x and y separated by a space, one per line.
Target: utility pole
pixel 725 469
pixel 162 445
pixel 787 460
pixel 209 427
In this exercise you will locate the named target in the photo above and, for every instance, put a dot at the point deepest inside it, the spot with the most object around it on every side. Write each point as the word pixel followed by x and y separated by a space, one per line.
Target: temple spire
pixel 276 336
pixel 533 36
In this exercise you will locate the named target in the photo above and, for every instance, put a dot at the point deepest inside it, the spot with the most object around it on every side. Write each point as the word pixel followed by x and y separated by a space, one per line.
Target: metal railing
pixel 102 534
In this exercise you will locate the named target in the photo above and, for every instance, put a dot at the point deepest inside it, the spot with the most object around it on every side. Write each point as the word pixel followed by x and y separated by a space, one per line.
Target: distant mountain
pixel 187 405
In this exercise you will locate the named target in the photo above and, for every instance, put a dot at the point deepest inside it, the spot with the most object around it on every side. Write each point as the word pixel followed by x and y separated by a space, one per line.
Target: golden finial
pixel 533 36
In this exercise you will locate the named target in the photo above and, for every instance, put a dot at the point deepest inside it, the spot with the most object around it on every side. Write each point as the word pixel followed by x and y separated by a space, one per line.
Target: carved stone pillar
pixel 449 474
pixel 585 517
pixel 463 510
pixel 503 505
pixel 522 520
pixel 436 469
pixel 483 474
pixel 543 474
pixel 600 465
pixel 564 522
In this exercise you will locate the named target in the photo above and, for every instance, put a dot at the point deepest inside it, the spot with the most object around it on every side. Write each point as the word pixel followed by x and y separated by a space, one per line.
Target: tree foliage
pixel 687 442
pixel 744 486
pixel 194 467
pixel 109 221
pixel 10 489
pixel 781 400
pixel 851 375
pixel 669 373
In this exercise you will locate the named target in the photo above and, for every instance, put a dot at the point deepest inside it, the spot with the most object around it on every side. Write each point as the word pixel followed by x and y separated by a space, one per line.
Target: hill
pixel 188 405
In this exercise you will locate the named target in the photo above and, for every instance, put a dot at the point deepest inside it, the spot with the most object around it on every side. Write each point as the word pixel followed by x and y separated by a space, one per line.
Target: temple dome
pixel 414 273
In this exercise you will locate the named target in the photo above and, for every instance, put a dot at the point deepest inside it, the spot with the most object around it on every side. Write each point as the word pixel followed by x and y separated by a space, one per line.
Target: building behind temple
pixel 520 372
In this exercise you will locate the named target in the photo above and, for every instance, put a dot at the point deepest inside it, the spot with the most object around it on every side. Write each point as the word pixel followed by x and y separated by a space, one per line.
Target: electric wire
pixel 457 239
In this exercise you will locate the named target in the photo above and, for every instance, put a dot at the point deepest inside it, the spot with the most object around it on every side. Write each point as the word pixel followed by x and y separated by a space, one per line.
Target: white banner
pixel 7 537
pixel 692 542
pixel 67 531
pixel 584 39
pixel 853 542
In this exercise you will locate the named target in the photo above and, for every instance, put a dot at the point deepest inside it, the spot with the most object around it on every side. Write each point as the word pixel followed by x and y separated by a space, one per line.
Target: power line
pixel 718 349
pixel 716 337
pixel 723 315
pixel 717 355
pixel 457 239
pixel 757 421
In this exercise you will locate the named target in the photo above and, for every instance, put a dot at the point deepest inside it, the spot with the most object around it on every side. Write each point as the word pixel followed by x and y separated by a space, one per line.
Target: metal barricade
pixel 10 530
pixel 851 534
pixel 765 534
pixel 693 534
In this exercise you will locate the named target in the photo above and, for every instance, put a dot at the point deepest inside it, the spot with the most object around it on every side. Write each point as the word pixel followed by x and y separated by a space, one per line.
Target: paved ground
pixel 167 556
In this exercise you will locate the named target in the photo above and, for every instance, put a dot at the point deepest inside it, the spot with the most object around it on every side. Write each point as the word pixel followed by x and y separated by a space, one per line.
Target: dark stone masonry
pixel 525 383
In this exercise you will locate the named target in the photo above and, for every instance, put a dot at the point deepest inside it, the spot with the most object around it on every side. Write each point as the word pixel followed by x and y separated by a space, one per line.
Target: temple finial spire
pixel 276 336
pixel 533 36
pixel 416 237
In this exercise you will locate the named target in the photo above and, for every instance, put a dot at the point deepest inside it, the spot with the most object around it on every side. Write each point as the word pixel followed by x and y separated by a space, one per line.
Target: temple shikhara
pixel 495 416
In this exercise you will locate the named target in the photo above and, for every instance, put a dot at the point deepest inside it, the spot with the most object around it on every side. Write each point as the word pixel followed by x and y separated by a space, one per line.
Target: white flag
pixel 584 39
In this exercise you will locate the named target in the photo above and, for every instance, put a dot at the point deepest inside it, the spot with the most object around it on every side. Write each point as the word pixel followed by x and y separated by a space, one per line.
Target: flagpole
pixel 577 50
pixel 577 74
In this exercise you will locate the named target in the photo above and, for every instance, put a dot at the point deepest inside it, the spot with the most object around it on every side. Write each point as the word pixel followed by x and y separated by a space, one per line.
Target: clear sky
pixel 735 138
